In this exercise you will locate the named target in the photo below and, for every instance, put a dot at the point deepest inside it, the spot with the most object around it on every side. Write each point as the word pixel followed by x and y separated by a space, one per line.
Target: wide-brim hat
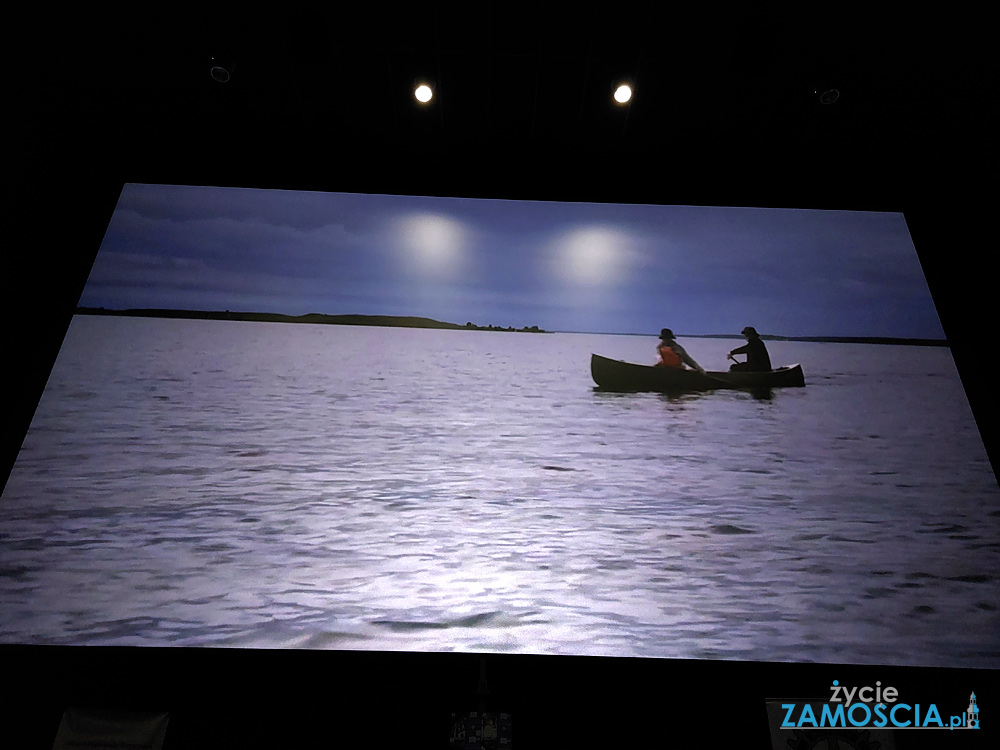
pixel 666 333
pixel 749 331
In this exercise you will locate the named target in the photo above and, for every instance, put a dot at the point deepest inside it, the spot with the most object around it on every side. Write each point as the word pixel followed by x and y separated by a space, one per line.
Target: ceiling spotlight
pixel 423 93
pixel 829 96
pixel 221 69
pixel 623 94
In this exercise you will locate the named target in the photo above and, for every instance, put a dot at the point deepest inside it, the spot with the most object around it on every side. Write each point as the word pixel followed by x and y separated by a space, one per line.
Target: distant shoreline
pixel 891 340
pixel 896 340
pixel 401 321
pixel 393 321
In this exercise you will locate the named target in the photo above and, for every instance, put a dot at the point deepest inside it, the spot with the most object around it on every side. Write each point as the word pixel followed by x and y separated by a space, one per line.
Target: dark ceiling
pixel 324 97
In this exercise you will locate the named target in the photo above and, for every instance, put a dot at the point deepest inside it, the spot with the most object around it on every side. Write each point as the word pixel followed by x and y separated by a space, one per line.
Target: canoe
pixel 615 375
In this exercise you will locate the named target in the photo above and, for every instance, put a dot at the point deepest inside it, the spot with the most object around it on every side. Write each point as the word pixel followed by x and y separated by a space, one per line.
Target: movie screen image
pixel 287 419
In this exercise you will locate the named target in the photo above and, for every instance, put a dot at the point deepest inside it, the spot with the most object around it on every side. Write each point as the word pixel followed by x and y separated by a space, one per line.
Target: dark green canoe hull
pixel 615 375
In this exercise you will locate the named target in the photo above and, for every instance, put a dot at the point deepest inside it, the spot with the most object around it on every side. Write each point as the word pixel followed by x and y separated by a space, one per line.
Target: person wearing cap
pixel 757 357
pixel 672 354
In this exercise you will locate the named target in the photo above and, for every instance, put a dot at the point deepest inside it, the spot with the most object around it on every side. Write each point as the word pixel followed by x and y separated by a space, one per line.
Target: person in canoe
pixel 672 354
pixel 757 357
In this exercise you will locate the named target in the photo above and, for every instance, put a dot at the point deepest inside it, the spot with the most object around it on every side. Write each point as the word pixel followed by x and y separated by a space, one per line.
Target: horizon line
pixel 222 314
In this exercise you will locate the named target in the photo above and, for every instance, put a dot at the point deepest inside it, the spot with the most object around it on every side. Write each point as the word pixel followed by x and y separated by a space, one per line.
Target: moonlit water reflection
pixel 276 485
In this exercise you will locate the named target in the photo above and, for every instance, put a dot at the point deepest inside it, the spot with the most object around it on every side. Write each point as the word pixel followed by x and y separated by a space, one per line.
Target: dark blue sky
pixel 562 266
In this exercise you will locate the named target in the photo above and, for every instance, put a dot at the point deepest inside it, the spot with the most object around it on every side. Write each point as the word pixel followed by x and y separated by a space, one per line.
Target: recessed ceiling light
pixel 829 96
pixel 221 70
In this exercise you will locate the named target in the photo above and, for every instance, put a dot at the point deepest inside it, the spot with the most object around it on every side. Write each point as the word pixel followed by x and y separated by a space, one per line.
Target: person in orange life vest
pixel 757 357
pixel 672 354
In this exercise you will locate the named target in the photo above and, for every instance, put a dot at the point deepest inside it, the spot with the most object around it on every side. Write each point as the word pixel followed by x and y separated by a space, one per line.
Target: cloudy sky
pixel 562 266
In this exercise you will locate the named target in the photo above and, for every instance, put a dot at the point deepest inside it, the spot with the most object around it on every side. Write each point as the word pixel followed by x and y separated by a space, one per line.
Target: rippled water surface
pixel 277 485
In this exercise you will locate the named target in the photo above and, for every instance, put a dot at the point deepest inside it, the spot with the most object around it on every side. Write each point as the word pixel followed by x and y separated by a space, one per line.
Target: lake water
pixel 276 485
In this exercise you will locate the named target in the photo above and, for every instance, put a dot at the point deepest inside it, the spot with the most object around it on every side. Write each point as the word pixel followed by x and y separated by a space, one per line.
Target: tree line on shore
pixel 400 321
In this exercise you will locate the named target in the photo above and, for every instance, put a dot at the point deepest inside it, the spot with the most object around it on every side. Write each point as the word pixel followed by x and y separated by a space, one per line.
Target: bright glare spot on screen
pixel 434 242
pixel 623 94
pixel 595 255
pixel 423 93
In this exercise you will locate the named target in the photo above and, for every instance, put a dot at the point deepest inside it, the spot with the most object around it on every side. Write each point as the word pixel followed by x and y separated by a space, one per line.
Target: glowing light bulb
pixel 423 93
pixel 623 94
